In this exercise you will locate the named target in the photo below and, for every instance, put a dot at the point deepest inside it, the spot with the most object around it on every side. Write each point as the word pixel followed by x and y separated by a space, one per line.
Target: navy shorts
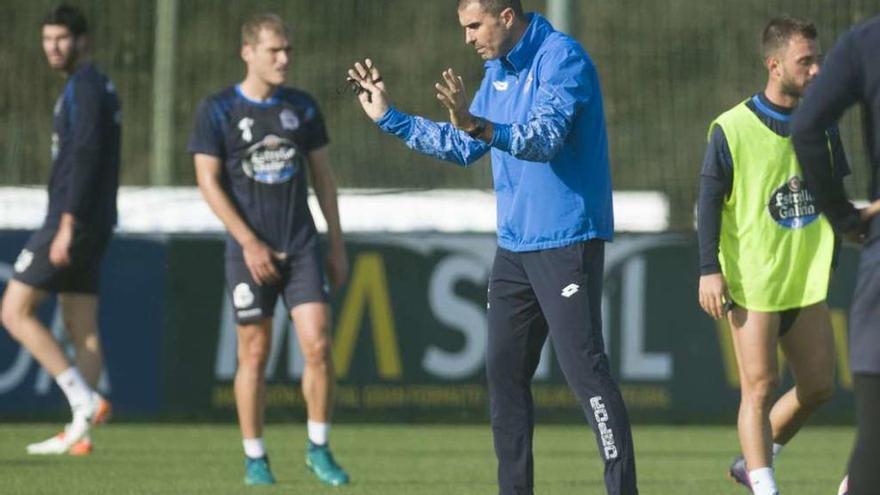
pixel 302 281
pixel 33 268
pixel 864 318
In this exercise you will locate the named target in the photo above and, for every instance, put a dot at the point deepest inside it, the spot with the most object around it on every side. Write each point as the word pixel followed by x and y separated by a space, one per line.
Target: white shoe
pixel 94 412
pixel 60 444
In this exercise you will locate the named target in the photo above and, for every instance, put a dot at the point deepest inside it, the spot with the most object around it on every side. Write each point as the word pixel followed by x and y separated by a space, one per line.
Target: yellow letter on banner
pixel 368 282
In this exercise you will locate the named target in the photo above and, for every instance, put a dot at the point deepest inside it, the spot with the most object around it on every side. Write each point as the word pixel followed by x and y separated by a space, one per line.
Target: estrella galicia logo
pixel 272 160
pixel 792 206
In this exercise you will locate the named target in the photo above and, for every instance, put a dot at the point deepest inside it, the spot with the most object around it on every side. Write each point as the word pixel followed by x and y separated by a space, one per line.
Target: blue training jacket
pixel 549 150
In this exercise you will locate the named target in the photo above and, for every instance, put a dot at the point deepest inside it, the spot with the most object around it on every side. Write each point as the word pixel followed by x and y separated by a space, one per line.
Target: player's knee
pixel 252 356
pixel 12 315
pixel 759 390
pixel 816 396
pixel 316 351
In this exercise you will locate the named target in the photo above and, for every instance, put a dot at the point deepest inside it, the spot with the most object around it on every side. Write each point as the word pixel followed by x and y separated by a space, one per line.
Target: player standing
pixel 253 144
pixel 767 252
pixel 539 111
pixel 64 256
pixel 850 76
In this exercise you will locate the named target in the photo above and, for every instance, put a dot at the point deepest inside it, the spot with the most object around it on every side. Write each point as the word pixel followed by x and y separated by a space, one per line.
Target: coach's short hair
pixel 780 30
pixel 70 17
pixel 250 30
pixel 496 7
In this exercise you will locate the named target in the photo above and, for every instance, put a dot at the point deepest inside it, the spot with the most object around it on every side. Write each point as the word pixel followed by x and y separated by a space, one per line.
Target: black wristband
pixel 478 129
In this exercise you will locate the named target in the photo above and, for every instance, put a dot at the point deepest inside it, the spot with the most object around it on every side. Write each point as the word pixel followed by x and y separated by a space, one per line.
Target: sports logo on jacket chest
pixel 246 126
pixel 500 85
pixel 272 160
pixel 289 120
pixel 792 206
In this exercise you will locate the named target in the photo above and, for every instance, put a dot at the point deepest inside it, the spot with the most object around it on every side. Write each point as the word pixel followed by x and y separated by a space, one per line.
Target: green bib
pixel 775 248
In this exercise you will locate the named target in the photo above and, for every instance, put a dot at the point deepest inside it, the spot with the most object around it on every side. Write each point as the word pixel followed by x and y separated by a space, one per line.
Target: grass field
pixel 401 460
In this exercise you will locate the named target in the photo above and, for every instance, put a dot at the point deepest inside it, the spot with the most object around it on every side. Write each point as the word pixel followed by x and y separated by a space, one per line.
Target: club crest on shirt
pixel 272 160
pixel 289 120
pixel 246 125
pixel 500 85
pixel 792 206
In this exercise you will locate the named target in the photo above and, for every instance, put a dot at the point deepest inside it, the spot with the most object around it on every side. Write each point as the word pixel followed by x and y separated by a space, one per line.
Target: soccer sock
pixel 318 432
pixel 254 447
pixel 74 387
pixel 763 482
pixel 777 449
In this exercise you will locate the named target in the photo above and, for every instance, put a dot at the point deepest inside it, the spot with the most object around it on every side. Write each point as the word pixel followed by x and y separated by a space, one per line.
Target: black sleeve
pixel 316 131
pixel 87 133
pixel 207 133
pixel 716 183
pixel 834 90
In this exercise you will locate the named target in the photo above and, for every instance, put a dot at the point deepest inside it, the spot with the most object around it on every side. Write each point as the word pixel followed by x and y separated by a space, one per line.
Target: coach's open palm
pixel 713 295
pixel 373 97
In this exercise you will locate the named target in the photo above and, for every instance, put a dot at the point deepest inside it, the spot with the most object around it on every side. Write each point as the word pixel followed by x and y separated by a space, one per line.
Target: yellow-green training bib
pixel 776 248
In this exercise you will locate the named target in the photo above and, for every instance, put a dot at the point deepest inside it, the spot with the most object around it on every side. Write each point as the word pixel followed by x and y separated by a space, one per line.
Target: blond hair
pixel 251 29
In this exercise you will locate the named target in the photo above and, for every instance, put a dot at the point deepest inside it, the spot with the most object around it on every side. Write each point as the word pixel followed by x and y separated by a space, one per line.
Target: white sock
pixel 74 387
pixel 777 448
pixel 254 447
pixel 763 482
pixel 318 432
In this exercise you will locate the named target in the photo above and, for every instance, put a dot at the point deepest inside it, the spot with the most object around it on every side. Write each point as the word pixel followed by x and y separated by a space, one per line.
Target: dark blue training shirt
pixel 716 175
pixel 85 151
pixel 850 76
pixel 264 147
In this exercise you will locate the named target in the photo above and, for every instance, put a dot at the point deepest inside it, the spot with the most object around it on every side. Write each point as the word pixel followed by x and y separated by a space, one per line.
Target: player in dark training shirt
pixel 254 145
pixel 64 256
pixel 851 76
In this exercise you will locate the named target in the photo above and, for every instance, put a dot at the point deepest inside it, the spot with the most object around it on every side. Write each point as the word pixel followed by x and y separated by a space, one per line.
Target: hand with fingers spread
pixel 452 94
pixel 260 261
pixel 714 295
pixel 372 93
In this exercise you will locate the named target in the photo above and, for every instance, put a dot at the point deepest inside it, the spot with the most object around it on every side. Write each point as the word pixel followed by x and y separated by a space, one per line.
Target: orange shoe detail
pixel 81 448
pixel 103 412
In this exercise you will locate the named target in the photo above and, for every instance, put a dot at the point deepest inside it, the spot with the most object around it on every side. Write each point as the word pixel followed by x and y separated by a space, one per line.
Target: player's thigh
pixel 755 338
pixel 254 340
pixel 312 320
pixel 33 268
pixel 809 348
pixel 20 299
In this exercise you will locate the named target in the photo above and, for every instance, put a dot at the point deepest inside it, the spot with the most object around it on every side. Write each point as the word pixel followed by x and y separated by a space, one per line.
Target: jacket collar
pixel 522 53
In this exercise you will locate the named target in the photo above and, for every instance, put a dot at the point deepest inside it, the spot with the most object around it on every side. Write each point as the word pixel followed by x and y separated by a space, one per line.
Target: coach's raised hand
pixel 373 97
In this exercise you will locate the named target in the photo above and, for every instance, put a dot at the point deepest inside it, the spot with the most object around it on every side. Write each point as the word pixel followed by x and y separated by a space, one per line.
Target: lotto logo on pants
pixel 605 432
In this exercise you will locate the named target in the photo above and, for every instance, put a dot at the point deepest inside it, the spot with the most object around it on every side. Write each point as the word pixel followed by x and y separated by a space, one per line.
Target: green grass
pixel 401 460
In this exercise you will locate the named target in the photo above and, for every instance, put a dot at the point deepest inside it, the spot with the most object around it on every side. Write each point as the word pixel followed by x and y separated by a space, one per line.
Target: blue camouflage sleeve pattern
pixel 565 84
pixel 439 140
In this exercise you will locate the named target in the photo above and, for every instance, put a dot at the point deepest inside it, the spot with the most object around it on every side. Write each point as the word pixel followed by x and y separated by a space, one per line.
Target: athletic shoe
pixel 257 471
pixel 58 445
pixel 95 411
pixel 739 473
pixel 320 460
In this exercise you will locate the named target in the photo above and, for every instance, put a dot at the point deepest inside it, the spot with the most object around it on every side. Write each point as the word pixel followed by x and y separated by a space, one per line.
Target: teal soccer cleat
pixel 320 460
pixel 257 472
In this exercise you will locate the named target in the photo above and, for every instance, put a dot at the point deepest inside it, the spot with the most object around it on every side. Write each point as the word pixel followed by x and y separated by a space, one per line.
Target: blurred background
pixel 410 326
pixel 667 69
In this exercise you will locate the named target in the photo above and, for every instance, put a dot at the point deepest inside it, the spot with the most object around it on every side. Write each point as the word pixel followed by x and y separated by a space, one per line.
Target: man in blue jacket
pixel 539 112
